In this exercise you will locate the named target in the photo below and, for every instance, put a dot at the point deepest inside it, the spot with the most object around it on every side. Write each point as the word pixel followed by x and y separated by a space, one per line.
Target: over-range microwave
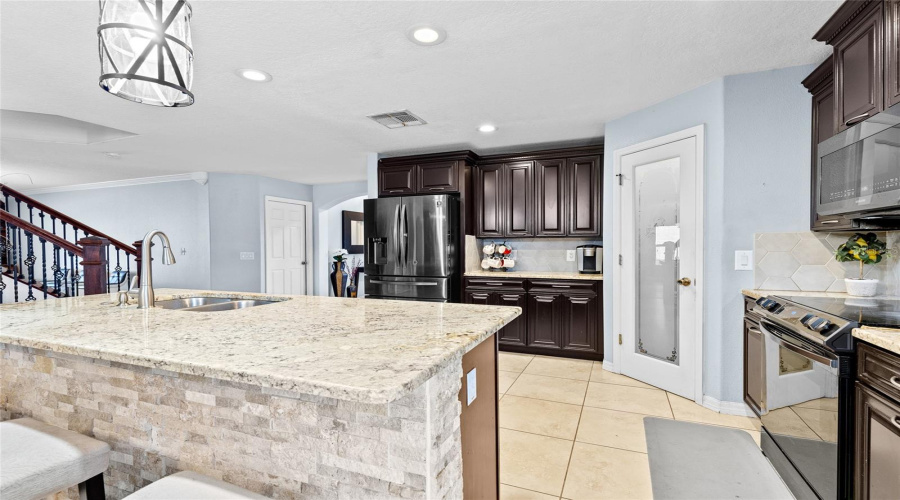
pixel 858 175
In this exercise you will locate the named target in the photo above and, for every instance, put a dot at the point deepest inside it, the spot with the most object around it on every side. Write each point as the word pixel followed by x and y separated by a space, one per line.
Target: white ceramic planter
pixel 861 288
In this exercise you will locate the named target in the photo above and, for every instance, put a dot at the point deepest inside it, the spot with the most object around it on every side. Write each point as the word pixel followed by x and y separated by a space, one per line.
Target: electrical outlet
pixel 743 260
pixel 248 256
pixel 471 387
pixel 570 255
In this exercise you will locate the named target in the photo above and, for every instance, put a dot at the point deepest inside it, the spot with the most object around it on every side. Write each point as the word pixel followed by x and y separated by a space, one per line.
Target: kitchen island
pixel 308 396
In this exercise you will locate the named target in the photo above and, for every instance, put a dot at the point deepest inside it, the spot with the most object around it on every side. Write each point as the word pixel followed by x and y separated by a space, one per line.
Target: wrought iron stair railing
pixel 28 226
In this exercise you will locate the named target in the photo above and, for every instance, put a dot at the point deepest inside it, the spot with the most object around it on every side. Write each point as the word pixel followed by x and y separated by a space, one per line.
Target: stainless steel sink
pixel 230 305
pixel 189 302
pixel 210 304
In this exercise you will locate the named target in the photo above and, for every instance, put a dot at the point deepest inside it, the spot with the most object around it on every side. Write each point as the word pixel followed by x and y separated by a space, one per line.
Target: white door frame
pixel 309 239
pixel 698 133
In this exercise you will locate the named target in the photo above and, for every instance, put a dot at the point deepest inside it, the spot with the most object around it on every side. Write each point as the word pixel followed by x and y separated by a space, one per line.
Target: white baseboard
pixel 728 407
pixel 610 366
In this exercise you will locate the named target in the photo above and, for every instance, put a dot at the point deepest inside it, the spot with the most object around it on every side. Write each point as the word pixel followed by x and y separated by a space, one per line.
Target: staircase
pixel 45 254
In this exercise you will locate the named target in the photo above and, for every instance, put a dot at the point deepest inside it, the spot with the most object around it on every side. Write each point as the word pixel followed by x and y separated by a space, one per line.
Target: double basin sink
pixel 210 304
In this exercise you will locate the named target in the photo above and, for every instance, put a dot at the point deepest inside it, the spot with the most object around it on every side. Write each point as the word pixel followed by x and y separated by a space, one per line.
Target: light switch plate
pixel 471 387
pixel 743 260
pixel 247 256
pixel 570 255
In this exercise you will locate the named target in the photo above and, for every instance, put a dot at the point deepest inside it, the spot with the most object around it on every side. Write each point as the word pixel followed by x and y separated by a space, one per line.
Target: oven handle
pixel 833 363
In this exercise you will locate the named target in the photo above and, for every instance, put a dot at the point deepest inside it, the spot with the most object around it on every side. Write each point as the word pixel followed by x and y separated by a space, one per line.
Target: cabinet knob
pixel 684 282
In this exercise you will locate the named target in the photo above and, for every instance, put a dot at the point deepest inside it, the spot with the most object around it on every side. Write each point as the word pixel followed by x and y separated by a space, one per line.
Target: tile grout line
pixel 806 424
pixel 562 489
pixel 526 489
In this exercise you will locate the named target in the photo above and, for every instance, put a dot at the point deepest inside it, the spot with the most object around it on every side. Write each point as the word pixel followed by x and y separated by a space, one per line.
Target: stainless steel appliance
pixel 589 258
pixel 858 174
pixel 412 248
pixel 805 386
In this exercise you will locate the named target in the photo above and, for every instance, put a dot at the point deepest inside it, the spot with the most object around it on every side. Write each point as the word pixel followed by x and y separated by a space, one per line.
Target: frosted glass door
pixel 658 238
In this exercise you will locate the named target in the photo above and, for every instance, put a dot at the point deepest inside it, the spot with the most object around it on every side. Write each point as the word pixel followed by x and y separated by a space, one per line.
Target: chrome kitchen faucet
pixel 146 298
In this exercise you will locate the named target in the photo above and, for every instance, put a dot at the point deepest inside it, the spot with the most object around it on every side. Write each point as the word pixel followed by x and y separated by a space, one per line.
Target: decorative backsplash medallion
pixel 805 261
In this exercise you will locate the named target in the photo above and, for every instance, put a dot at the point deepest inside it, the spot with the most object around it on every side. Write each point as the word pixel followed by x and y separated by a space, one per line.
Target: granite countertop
pixel 755 293
pixel 364 350
pixel 552 275
pixel 885 338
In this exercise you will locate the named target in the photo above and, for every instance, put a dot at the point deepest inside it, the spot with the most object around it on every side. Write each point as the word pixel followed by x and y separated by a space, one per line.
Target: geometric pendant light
pixel 145 51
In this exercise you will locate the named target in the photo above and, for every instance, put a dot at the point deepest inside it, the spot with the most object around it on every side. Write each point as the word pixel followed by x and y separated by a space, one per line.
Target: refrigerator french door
pixel 411 247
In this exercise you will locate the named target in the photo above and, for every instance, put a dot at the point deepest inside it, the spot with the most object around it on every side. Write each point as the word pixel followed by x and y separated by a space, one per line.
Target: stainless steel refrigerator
pixel 412 248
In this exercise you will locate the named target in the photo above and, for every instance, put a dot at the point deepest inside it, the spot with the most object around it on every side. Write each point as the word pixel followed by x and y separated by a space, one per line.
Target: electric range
pixel 806 371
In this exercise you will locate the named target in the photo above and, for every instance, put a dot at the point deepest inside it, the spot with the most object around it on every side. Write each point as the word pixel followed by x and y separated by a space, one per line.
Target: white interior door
pixel 660 217
pixel 288 246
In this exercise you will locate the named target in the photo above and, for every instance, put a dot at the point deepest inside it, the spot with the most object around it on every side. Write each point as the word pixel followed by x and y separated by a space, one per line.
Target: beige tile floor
pixel 571 430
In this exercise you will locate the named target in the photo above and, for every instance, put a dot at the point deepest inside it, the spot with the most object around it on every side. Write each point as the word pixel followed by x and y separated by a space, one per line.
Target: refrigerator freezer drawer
pixel 387 287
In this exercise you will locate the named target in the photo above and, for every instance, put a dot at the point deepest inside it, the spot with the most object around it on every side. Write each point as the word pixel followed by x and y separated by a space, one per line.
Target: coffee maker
pixel 590 259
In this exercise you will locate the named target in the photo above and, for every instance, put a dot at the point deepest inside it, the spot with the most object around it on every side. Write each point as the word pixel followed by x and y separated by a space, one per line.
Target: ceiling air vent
pixel 398 119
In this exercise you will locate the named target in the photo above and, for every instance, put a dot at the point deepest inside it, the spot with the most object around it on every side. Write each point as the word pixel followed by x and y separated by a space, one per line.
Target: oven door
pixel 801 416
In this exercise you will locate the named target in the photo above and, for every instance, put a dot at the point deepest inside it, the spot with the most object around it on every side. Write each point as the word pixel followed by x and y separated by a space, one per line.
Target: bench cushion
pixel 194 486
pixel 37 459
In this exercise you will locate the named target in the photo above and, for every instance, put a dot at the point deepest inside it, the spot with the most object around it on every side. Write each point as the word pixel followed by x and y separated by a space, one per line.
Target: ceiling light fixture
pixel 145 51
pixel 254 75
pixel 487 128
pixel 426 35
pixel 114 156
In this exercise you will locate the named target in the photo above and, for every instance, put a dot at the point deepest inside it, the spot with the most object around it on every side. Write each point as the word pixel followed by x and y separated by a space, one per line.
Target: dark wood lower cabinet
pixel 877 445
pixel 558 318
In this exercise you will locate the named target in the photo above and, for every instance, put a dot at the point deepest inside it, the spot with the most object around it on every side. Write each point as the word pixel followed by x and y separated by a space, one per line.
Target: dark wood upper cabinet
pixel 397 180
pixel 550 197
pixel 519 199
pixel 440 177
pixel 820 84
pixel 584 195
pixel 859 67
pixel 489 204
pixel 892 52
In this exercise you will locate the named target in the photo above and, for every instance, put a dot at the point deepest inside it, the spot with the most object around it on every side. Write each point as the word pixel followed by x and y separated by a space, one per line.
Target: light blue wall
pixel 756 179
pixel 180 209
pixel 237 224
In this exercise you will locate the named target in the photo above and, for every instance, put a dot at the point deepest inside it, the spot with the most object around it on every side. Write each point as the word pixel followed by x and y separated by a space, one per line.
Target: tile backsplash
pixel 805 261
pixel 539 254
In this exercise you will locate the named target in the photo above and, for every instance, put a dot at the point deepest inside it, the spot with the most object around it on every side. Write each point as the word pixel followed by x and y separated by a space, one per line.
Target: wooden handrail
pixel 41 233
pixel 63 217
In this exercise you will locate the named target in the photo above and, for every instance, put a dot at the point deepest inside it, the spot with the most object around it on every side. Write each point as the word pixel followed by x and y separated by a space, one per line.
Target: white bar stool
pixel 192 485
pixel 37 459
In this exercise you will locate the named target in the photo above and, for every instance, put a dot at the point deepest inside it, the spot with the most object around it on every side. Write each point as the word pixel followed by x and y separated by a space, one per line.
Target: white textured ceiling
pixel 544 72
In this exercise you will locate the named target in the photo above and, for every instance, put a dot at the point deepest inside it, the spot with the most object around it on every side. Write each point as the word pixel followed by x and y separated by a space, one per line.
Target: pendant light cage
pixel 145 51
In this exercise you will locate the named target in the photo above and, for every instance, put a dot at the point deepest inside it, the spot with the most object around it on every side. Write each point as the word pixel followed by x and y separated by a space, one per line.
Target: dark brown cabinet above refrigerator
pixel 442 173
pixel 554 193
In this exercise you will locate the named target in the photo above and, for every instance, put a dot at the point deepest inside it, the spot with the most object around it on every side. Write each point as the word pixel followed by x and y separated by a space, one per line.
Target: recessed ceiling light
pixel 110 154
pixel 254 75
pixel 426 35
pixel 487 128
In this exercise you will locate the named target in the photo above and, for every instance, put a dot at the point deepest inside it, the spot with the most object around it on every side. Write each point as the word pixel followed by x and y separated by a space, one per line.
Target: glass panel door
pixel 658 236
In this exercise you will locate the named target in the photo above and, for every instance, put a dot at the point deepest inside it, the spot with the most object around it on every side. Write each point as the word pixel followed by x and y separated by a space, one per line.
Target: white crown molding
pixel 199 177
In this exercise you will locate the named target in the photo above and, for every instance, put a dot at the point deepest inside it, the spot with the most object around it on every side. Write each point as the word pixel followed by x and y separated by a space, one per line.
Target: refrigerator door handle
pixel 396 235
pixel 405 233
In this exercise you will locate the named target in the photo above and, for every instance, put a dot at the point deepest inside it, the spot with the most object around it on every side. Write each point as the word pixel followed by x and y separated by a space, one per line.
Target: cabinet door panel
pixel 859 70
pixel 515 332
pixel 544 320
pixel 877 445
pixel 580 330
pixel 550 197
pixel 478 297
pixel 892 57
pixel 397 180
pixel 520 199
pixel 442 177
pixel 489 204
pixel 584 196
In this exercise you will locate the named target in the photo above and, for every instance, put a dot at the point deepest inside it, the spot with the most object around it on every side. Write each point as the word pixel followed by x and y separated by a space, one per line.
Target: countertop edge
pixel 885 338
pixel 560 275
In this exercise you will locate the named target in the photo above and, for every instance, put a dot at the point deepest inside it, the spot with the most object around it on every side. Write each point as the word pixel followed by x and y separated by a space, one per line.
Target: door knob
pixel 684 282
